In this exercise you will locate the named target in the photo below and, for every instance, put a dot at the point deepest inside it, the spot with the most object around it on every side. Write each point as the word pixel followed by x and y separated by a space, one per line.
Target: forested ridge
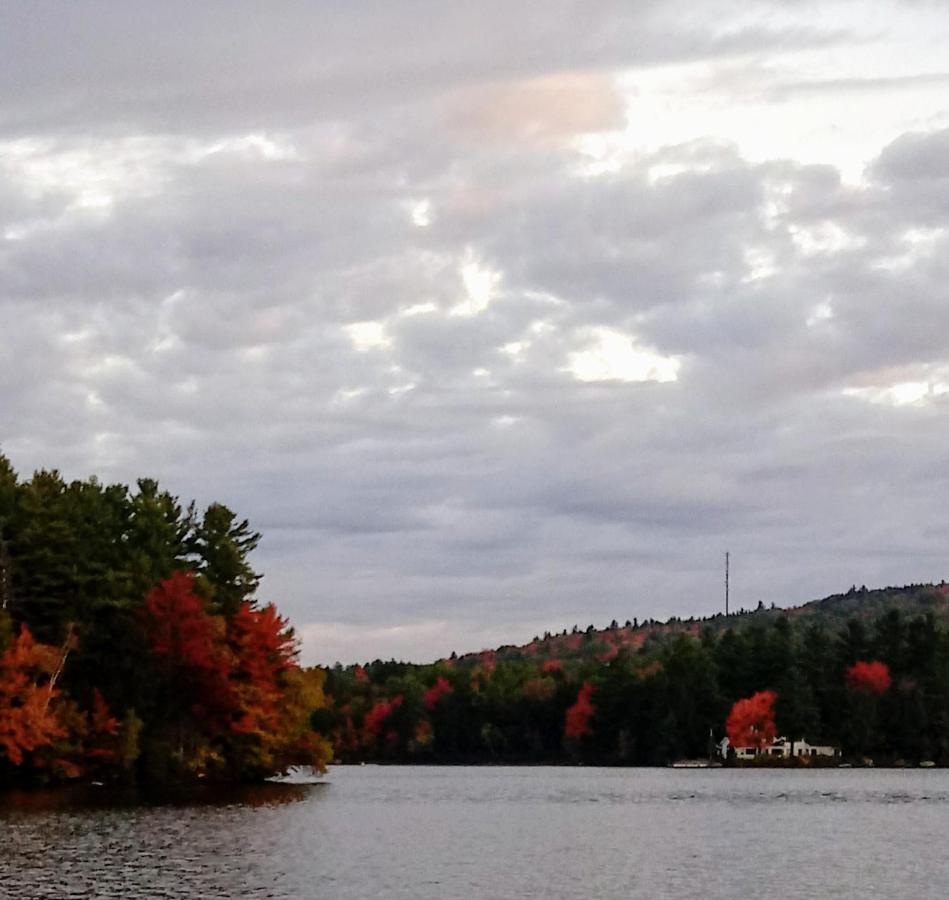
pixel 866 671
pixel 132 643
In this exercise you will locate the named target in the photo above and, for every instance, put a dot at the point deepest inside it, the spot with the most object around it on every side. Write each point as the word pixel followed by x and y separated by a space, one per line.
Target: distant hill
pixel 864 671
pixel 603 644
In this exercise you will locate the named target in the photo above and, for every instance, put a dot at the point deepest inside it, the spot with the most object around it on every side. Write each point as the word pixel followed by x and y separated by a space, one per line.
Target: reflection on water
pixel 208 842
pixel 490 832
pixel 89 797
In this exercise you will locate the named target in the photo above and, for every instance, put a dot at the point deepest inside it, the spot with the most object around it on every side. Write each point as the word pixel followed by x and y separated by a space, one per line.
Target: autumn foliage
pixel 27 715
pixel 234 703
pixel 133 646
pixel 441 688
pixel 102 730
pixel 577 724
pixel 869 677
pixel 189 647
pixel 376 718
pixel 132 643
pixel 262 649
pixel 241 692
pixel 751 721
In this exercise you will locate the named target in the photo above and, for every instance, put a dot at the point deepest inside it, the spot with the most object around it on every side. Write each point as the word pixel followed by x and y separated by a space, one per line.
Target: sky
pixel 494 318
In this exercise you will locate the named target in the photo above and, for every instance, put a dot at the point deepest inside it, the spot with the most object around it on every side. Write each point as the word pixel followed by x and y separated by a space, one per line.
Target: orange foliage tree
pixel 263 649
pixel 27 689
pixel 273 696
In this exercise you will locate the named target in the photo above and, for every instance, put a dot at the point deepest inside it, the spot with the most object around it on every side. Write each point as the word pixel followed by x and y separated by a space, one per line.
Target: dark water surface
pixel 495 833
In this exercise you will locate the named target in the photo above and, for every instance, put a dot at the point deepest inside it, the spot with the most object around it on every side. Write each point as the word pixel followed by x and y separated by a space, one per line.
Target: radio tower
pixel 727 557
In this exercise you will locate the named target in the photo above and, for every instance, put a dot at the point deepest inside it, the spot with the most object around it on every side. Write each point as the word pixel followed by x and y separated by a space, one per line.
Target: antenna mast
pixel 727 557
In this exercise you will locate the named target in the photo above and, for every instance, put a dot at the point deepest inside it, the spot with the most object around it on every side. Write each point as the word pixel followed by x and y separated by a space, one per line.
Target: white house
pixel 780 747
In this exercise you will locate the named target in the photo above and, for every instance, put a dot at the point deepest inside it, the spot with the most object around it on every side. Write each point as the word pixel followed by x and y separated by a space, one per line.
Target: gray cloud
pixel 181 68
pixel 916 157
pixel 197 223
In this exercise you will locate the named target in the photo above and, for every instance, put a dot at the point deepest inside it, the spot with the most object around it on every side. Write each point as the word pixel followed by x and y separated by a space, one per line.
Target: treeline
pixel 132 645
pixel 652 701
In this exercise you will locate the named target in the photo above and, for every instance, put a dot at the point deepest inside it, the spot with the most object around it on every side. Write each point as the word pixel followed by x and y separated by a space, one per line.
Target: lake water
pixel 375 832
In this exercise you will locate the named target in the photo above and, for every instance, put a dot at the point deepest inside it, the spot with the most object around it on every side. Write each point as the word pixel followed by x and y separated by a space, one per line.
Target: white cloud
pixel 823 312
pixel 91 174
pixel 480 285
pixel 254 146
pixel 611 355
pixel 760 263
pixel 916 245
pixel 505 421
pixel 421 213
pixel 823 238
pixel 418 309
pixel 368 335
pixel 346 395
pixel 905 393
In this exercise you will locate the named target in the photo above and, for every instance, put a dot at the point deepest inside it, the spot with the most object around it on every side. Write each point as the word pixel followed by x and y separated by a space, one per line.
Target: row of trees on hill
pixel 132 644
pixel 877 689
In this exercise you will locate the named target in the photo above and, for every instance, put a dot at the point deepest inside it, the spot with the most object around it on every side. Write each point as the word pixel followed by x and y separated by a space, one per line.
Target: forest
pixel 133 647
pixel 865 671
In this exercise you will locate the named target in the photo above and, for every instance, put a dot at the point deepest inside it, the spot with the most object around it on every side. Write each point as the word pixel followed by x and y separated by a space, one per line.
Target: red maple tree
pixel 441 688
pixel 751 721
pixel 577 723
pixel 869 677
pixel 376 717
pixel 189 643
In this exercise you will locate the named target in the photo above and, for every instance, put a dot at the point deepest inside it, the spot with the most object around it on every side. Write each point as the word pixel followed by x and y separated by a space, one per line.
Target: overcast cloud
pixel 493 317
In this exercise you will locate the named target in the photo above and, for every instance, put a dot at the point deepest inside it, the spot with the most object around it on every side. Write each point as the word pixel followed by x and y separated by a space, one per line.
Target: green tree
pixel 46 556
pixel 8 498
pixel 221 545
pixel 158 534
